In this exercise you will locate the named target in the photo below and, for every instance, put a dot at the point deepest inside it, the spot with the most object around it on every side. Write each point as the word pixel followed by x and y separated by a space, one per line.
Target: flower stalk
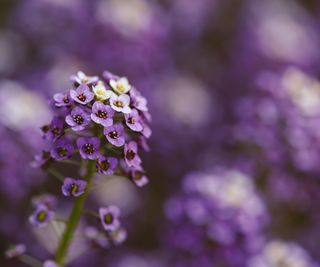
pixel 61 254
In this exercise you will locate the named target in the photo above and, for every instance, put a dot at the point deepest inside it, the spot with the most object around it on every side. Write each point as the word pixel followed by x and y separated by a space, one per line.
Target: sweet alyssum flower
pixel 106 165
pixel 88 147
pixel 41 216
pixel 99 134
pixel 109 217
pixel 101 92
pixel 62 150
pixel 63 99
pixel 115 134
pixel 121 86
pixel 102 114
pixel 78 119
pixel 131 154
pixel 73 187
pixel 120 103
pixel 82 78
pixel 133 121
pixel 82 94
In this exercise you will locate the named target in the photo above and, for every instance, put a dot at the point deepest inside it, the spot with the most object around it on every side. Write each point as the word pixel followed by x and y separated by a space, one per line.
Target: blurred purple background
pixel 234 91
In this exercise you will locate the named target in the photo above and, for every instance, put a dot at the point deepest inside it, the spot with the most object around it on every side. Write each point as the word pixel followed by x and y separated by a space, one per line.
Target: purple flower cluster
pixel 217 219
pixel 99 125
pixel 105 120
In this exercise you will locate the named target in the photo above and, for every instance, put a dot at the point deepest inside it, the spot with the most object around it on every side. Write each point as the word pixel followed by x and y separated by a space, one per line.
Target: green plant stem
pixel 74 217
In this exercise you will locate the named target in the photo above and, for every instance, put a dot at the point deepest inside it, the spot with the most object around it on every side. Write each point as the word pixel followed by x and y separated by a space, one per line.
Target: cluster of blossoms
pixel 280 253
pixel 98 125
pixel 216 220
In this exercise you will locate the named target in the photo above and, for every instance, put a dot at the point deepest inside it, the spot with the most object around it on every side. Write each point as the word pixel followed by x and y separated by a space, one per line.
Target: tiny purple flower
pixel 143 143
pixel 82 94
pixel 110 76
pixel 133 121
pixel 41 216
pixel 138 177
pixel 115 134
pixel 96 238
pixel 106 165
pixel 82 78
pixel 63 149
pixel 102 114
pixel 50 263
pixel 120 103
pixel 15 251
pixel 131 155
pixel 63 99
pixel 54 130
pixel 146 131
pixel 109 218
pixel 73 187
pixel 41 160
pixel 118 236
pixel 138 101
pixel 78 119
pixel 89 147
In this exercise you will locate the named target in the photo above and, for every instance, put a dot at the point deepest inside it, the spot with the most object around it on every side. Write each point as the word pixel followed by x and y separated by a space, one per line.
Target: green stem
pixel 74 218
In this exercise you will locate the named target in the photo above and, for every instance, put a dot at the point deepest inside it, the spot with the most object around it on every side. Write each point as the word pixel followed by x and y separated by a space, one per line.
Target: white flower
pixel 121 86
pixel 82 78
pixel 120 103
pixel 101 92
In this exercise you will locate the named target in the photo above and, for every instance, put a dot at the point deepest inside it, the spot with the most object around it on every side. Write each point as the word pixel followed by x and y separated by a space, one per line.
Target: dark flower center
pixel 113 134
pixel 74 188
pixel 132 120
pixel 78 119
pixel 55 131
pixel 102 114
pixel 62 151
pixel 108 218
pixel 137 175
pixel 41 216
pixel 118 104
pixel 66 100
pixel 130 154
pixel 82 97
pixel 45 128
pixel 89 149
pixel 104 165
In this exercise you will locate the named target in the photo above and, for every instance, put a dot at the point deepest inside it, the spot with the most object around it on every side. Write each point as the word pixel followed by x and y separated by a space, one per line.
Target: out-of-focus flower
pixel 82 79
pixel 63 99
pixel 217 215
pixel 106 165
pixel 41 216
pixel 63 149
pixel 131 155
pixel 109 217
pixel 50 263
pixel 121 86
pixel 15 251
pixel 278 253
pixel 73 187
